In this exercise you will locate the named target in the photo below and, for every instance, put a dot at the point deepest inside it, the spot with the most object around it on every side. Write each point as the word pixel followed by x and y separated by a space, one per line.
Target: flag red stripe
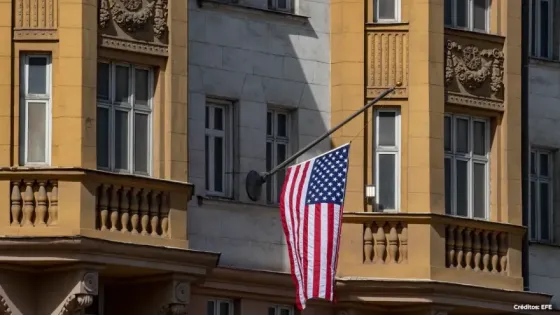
pixel 330 239
pixel 296 215
pixel 317 250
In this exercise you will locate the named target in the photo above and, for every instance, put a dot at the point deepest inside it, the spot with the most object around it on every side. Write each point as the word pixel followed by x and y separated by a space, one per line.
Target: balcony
pixel 96 204
pixel 438 247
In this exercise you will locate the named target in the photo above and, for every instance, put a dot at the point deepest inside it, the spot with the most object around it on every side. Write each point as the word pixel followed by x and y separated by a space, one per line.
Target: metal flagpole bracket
pixel 255 180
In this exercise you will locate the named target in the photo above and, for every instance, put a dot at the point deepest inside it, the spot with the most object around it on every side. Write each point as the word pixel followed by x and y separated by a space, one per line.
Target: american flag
pixel 311 210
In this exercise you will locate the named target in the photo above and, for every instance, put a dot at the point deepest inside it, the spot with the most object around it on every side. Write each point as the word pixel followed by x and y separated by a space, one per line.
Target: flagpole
pixel 255 180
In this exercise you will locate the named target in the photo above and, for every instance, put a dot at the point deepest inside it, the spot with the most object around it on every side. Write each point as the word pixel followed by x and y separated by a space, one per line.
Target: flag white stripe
pixel 324 249
pixel 336 226
pixel 310 233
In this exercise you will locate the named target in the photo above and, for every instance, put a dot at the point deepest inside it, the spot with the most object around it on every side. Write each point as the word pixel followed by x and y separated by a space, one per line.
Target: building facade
pixel 150 108
pixel 544 82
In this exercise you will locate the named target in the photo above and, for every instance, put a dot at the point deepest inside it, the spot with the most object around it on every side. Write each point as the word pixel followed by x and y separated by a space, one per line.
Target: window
pixel 542 28
pixel 467 187
pixel 35 109
pixel 124 118
pixel 219 307
pixel 541 195
pixel 387 11
pixel 280 310
pixel 472 15
pixel 387 159
pixel 277 150
pixel 280 5
pixel 218 148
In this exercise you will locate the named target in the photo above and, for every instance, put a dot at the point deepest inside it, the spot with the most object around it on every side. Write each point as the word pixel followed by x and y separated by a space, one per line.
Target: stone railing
pixel 432 246
pixel 62 202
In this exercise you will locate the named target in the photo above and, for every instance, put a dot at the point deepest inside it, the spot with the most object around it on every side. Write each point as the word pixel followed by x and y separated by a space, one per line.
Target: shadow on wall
pixel 248 61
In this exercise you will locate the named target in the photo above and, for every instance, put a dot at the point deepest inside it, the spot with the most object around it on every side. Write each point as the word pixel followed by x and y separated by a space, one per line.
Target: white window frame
pixel 537 178
pixel 397 18
pixel 273 5
pixel 131 108
pixel 274 140
pixel 470 158
pixel 217 303
pixel 536 27
pixel 279 308
pixel 470 17
pixel 227 142
pixel 389 150
pixel 26 98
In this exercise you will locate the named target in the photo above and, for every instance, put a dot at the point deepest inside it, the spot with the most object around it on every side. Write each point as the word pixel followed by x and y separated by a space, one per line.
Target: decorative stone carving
pixel 4 307
pixel 173 309
pixel 75 303
pixel 473 67
pixel 134 15
pixel 90 283
pixel 182 291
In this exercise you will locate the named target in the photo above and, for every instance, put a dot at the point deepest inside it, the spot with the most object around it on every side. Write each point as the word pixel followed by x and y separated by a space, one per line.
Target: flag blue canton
pixel 328 178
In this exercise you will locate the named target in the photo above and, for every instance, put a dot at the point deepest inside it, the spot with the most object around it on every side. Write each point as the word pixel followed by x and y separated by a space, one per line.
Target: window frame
pixel 535 28
pixel 397 17
pixel 388 150
pixel 26 98
pixel 131 108
pixel 274 139
pixel 471 159
pixel 217 302
pixel 227 160
pixel 538 179
pixel 469 17
pixel 279 308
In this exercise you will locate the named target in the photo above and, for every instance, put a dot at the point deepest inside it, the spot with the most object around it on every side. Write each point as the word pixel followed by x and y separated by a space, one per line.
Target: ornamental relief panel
pixel 136 25
pixel 474 74
pixel 35 19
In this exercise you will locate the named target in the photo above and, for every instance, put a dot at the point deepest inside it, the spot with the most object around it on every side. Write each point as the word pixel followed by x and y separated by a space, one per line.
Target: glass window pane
pixel 224 308
pixel 544 21
pixel 121 84
pixel 37 76
pixel 386 128
pixel 479 190
pixel 479 15
pixel 462 202
pixel 544 210
pixel 284 312
pixel 207 159
pixel 218 164
pixel 479 138
pixel 447 133
pixel 461 11
pixel 210 308
pixel 141 87
pixel 534 26
pixel 448 12
pixel 103 79
pixel 268 168
pixel 218 118
pixel 141 143
pixel 533 163
pixel 543 164
pixel 102 137
pixel 121 140
pixel 386 182
pixel 36 132
pixel 271 311
pixel 282 125
pixel 269 123
pixel 282 4
pixel 462 136
pixel 386 9
pixel 448 177
pixel 534 217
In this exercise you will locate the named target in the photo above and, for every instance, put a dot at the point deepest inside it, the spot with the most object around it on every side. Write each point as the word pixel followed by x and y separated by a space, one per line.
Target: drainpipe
pixel 525 145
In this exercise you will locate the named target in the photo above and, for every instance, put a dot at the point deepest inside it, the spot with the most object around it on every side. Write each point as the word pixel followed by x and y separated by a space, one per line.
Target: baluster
pixel 53 208
pixel 144 208
pixel 28 206
pixel 403 248
pixel 125 216
pixel 134 219
pixel 503 250
pixel 368 243
pixel 485 252
pixel 103 204
pixel 468 249
pixel 380 244
pixel 16 204
pixel 494 251
pixel 459 247
pixel 164 215
pixel 41 210
pixel 393 241
pixel 476 249
pixel 450 246
pixel 154 213
pixel 114 207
